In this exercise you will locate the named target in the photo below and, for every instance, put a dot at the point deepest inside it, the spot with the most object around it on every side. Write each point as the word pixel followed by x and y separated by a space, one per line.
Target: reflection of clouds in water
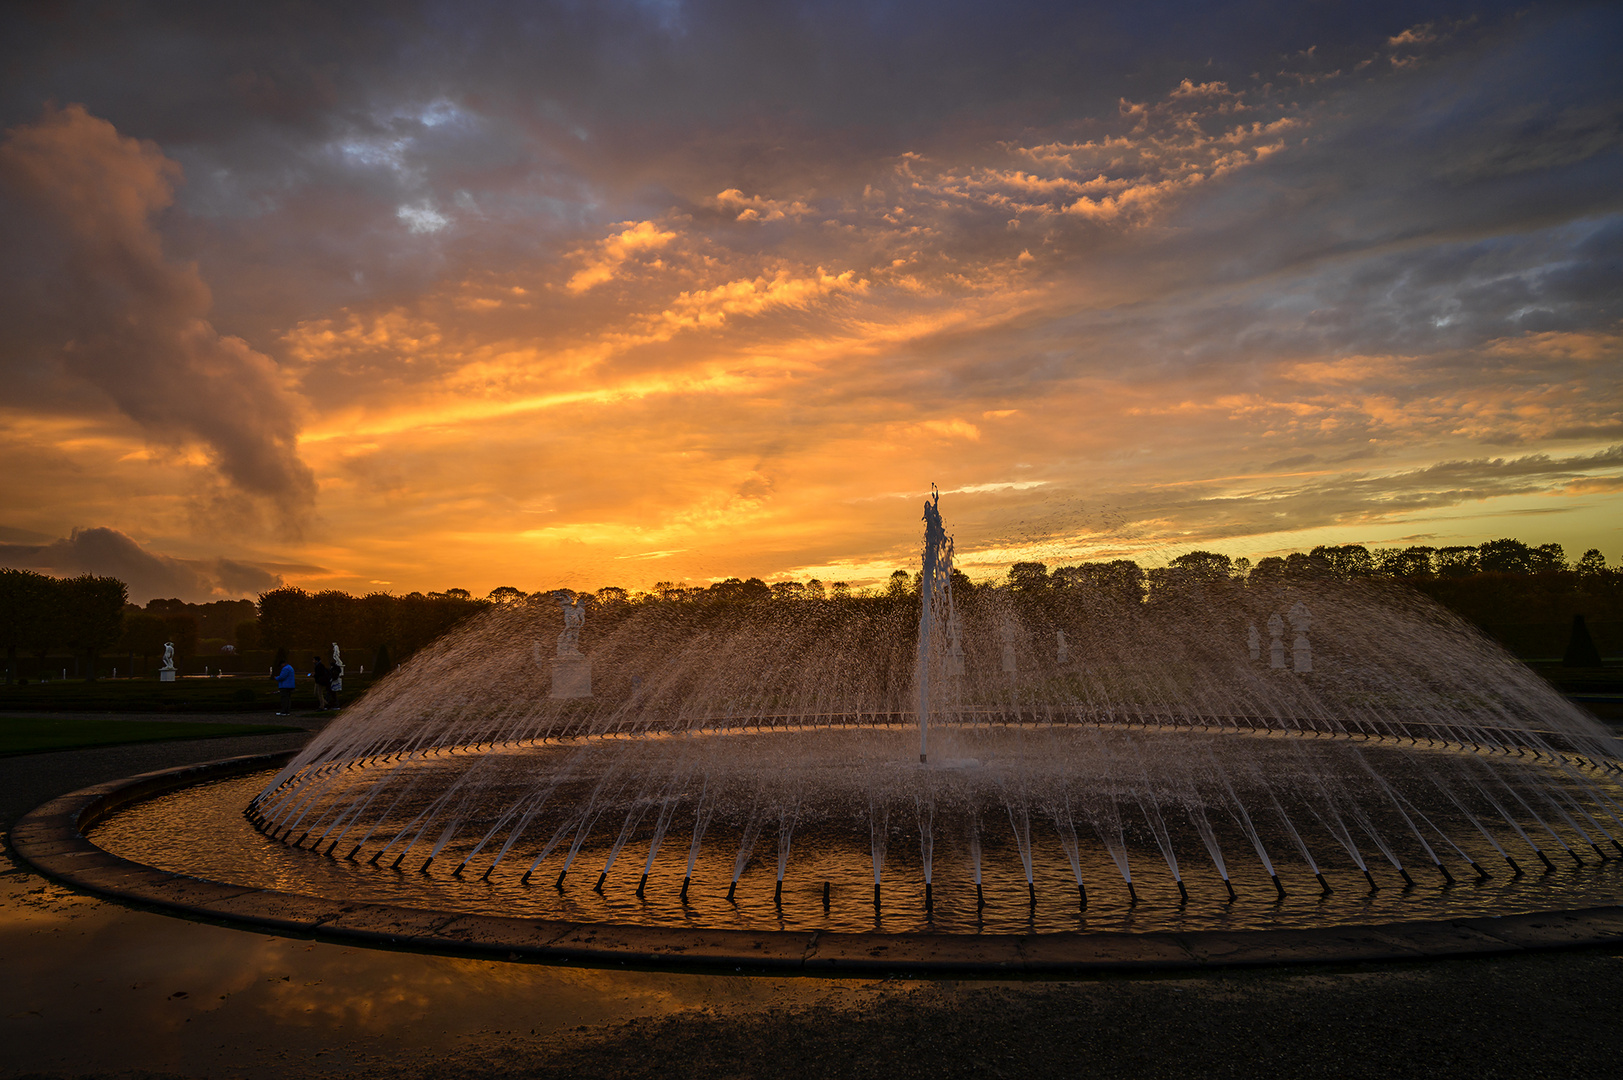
pixel 252 1003
pixel 60 940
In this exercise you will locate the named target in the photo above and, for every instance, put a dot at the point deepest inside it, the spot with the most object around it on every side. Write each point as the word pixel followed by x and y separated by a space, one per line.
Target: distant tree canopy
pixel 29 618
pixel 85 614
pixel 144 635
pixel 1500 585
pixel 309 623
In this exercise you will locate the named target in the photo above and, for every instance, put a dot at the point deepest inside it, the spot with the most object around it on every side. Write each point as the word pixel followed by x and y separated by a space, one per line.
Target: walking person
pixel 286 679
pixel 323 680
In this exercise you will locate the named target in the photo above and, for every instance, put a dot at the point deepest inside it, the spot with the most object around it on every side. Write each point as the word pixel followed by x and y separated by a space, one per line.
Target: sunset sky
pixel 414 296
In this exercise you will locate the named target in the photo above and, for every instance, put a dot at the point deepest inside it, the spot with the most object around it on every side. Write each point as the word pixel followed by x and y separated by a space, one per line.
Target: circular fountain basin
pixel 178 841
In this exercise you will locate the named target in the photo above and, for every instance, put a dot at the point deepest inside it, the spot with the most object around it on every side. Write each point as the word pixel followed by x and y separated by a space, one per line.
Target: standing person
pixel 285 681
pixel 323 680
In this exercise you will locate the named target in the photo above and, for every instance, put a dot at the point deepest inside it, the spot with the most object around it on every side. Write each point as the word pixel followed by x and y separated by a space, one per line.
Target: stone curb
pixel 51 840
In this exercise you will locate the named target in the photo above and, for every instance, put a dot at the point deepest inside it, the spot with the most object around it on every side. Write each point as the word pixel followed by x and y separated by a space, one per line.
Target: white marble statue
pixel 574 619
pixel 168 656
pixel 1276 643
pixel 1301 650
pixel 571 671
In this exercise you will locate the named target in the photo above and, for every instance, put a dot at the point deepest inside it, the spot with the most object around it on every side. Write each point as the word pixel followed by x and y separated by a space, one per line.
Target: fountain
pixel 1086 761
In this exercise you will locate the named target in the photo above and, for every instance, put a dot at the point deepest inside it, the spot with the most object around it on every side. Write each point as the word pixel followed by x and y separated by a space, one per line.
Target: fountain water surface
pixel 1085 757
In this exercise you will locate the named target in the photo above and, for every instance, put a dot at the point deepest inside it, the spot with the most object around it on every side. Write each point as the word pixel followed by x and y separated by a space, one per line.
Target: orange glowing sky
pixel 558 298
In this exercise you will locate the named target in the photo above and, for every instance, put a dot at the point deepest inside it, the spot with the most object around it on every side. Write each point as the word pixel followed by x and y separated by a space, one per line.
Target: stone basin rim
pixel 51 840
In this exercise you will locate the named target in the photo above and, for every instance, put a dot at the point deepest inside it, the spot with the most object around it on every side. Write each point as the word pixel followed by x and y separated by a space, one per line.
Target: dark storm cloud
pixel 289 65
pixel 148 574
pixel 84 281
pixel 1381 230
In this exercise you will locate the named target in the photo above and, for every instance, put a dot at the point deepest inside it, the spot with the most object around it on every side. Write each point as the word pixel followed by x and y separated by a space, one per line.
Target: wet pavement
pixel 95 989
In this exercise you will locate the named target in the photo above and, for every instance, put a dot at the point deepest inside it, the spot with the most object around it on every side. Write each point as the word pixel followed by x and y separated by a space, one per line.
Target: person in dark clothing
pixel 285 680
pixel 323 680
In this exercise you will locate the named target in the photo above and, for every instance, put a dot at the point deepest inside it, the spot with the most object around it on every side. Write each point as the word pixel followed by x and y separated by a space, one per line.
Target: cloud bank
pixel 543 294
pixel 88 278
pixel 148 574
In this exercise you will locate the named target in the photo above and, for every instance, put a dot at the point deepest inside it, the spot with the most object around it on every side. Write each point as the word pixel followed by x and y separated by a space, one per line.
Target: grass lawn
pixel 34 734
pixel 188 695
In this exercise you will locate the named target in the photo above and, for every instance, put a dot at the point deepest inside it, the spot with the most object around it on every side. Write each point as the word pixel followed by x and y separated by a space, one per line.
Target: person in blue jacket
pixel 285 681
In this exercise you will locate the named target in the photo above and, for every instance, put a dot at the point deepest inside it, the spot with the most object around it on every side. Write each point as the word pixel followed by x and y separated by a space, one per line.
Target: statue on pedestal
pixel 571 671
pixel 167 672
pixel 1301 650
pixel 1253 641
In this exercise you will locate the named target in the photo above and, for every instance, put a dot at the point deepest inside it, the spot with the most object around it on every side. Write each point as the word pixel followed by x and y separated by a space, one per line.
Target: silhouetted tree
pixel 736 591
pixel 1119 581
pixel 1204 565
pixel 144 635
pixel 1028 577
pixel 1299 565
pixel 1547 559
pixel 28 613
pixel 1457 562
pixel 284 617
pixel 1503 557
pixel 93 616
pixel 1347 560
pixel 181 629
pixel 1268 571
pixel 1409 562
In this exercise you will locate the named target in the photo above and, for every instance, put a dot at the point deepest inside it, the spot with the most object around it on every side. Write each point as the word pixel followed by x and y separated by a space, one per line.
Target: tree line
pixel 1521 594
pixel 38 613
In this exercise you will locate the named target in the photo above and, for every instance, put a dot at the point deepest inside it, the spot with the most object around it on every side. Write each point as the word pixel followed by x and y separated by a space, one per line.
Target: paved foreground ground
pixel 93 989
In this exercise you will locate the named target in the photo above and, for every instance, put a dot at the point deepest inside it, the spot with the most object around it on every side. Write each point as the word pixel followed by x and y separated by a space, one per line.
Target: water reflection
pixel 169 995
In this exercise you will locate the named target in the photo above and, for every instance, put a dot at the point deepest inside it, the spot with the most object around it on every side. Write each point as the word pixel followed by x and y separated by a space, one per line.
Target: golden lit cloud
pixel 545 344
pixel 605 260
